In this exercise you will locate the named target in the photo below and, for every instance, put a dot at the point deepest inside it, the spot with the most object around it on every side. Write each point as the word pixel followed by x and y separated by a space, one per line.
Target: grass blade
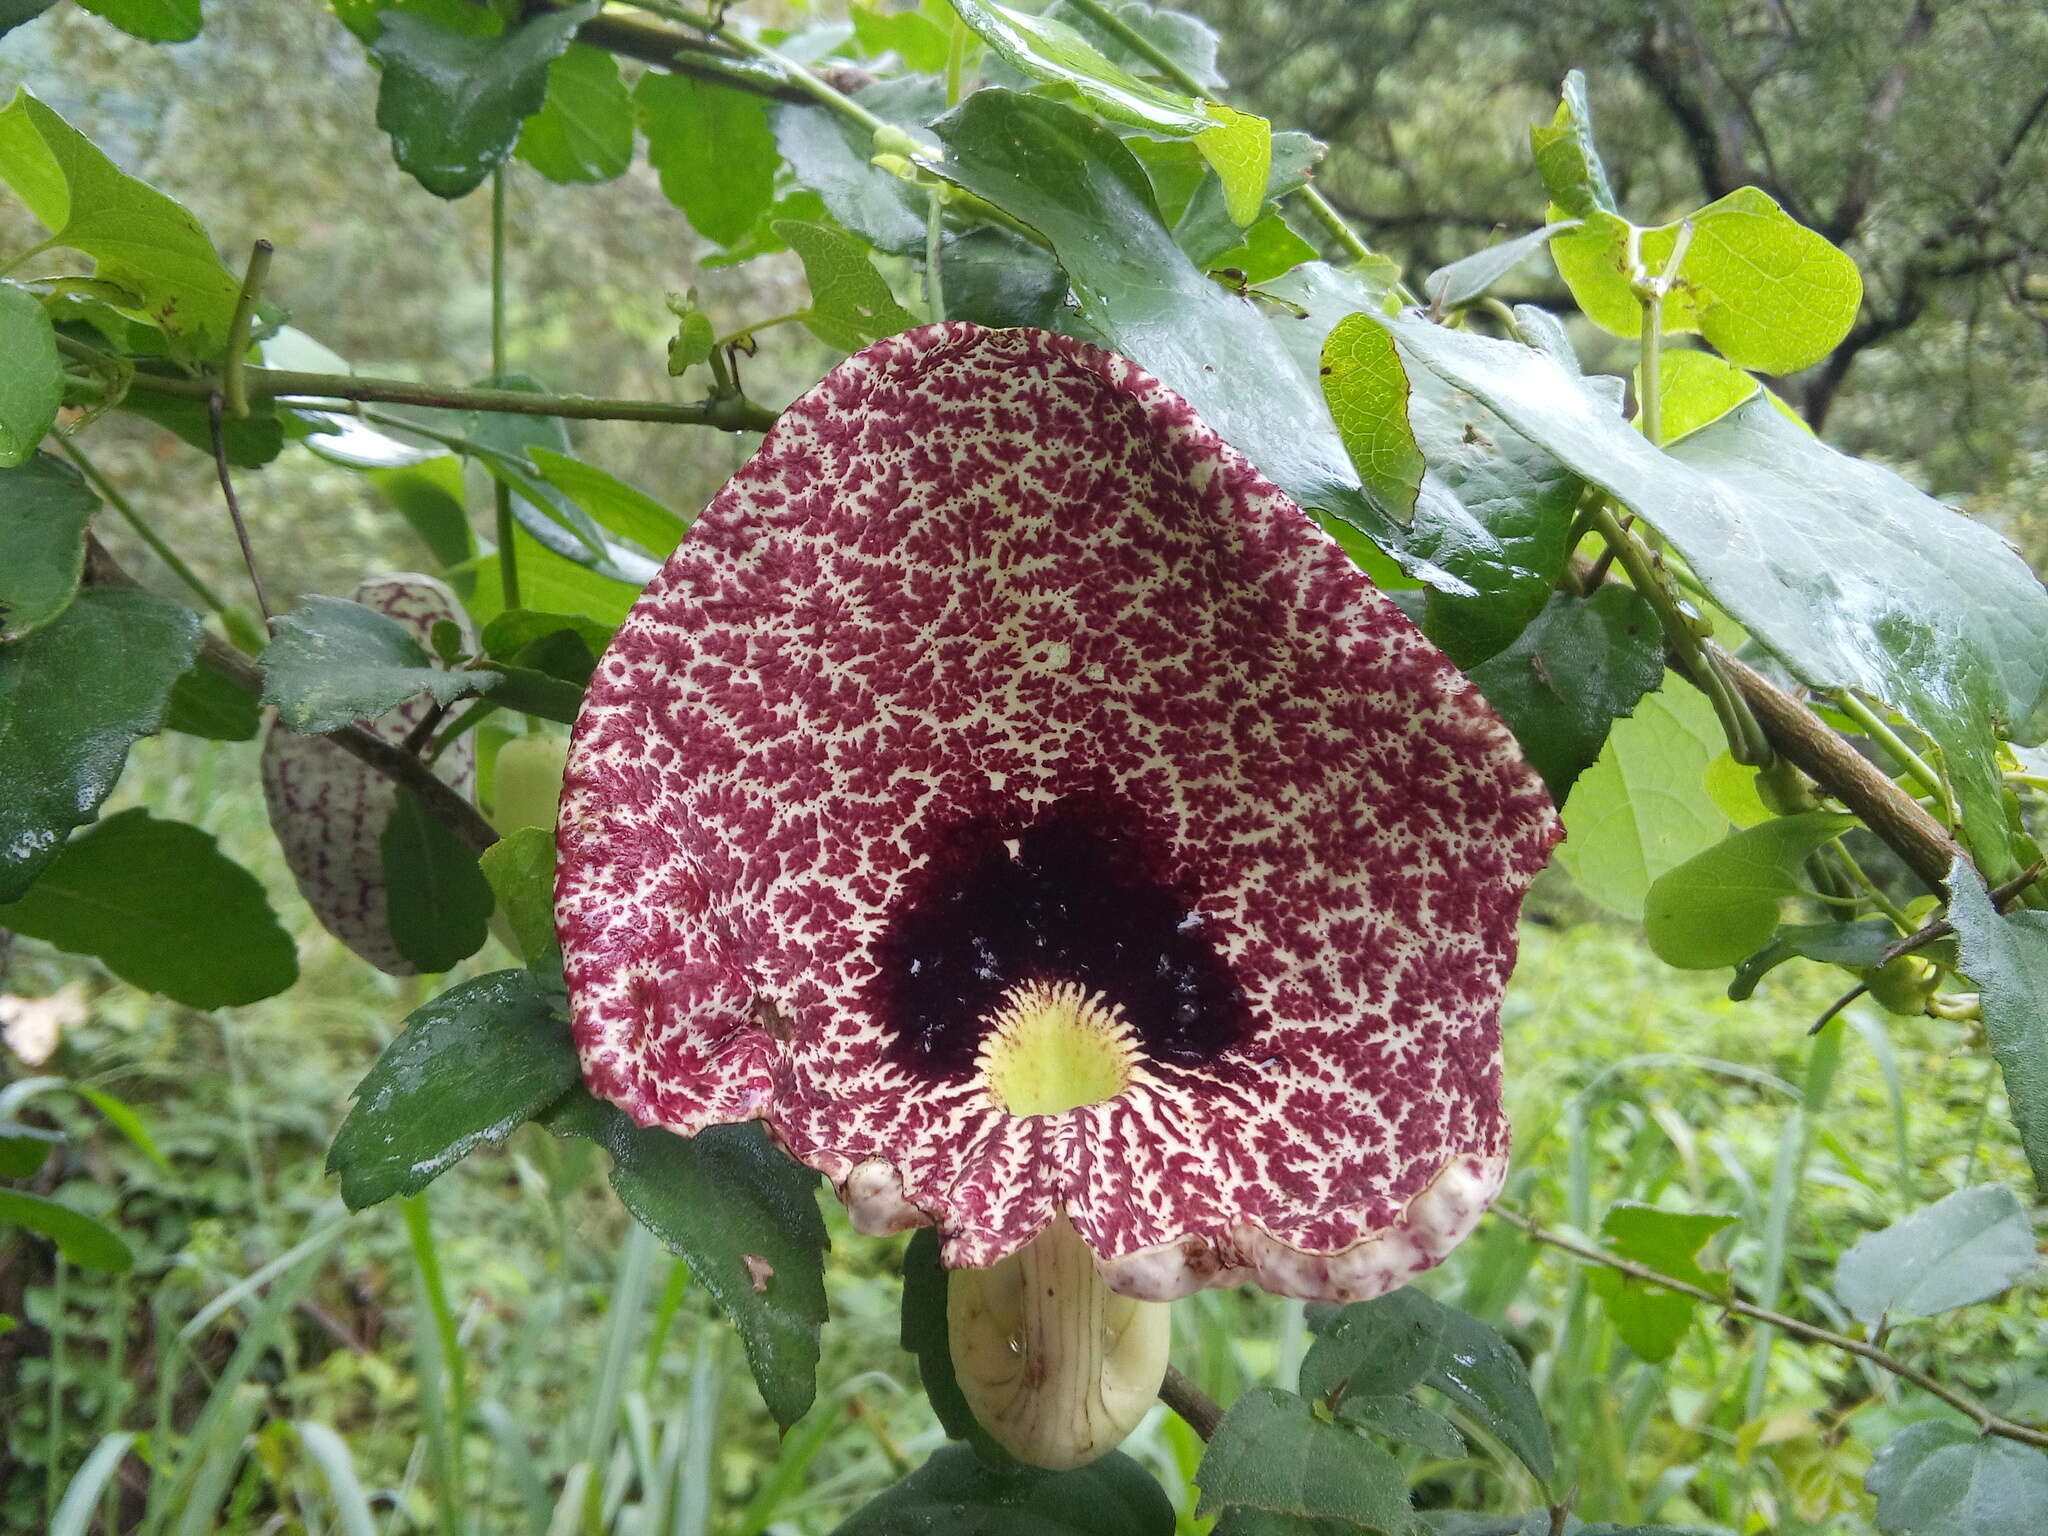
pixel 74 1513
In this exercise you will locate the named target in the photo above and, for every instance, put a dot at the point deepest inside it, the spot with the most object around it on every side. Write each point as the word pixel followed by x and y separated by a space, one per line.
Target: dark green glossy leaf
pixel 1966 1247
pixel 520 867
pixel 1187 40
pixel 851 305
pixel 468 1069
pixel 31 378
pixel 1723 904
pixel 744 1217
pixel 1073 181
pixel 78 1236
pixel 138 238
pixel 164 909
pixel 584 133
pixel 1765 291
pixel 1051 50
pixel 995 278
pixel 1650 1318
pixel 835 158
pixel 1938 1478
pixel 1848 574
pixel 1480 1372
pixel 1581 664
pixel 925 1334
pixel 154 21
pixel 44 508
pixel 74 696
pixel 208 703
pixel 956 1493
pixel 563 645
pixel 1272 1452
pixel 2008 959
pixel 1200 215
pixel 438 902
pixel 713 150
pixel 333 662
pixel 1383 1346
pixel 1566 157
pixel 453 102
pixel 250 441
pixel 1848 944
pixel 1469 277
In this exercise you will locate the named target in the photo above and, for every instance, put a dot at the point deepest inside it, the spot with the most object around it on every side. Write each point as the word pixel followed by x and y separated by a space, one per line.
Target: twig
pixel 1805 740
pixel 1179 1392
pixel 111 494
pixel 2002 896
pixel 1837 1006
pixel 214 407
pixel 730 414
pixel 1986 1421
pixel 239 325
pixel 395 763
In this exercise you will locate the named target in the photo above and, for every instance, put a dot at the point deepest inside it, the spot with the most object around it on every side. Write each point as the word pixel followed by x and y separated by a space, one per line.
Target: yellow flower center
pixel 1052 1047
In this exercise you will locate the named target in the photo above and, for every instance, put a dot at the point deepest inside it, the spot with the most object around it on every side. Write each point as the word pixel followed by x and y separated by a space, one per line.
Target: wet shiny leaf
pixel 44 507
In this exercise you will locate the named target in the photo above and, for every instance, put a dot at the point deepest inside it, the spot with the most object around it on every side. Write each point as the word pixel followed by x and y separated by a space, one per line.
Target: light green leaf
pixel 164 909
pixel 44 508
pixel 1651 1319
pixel 957 1493
pixel 1937 1478
pixel 1239 150
pixel 1272 1453
pixel 2008 959
pixel 438 904
pixel 712 148
pixel 1187 40
pixel 31 378
pixel 469 1068
pixel 920 42
pixel 154 21
pixel 25 1148
pixel 623 509
pixel 1966 1247
pixel 584 132
pixel 1566 157
pixel 74 696
pixel 453 102
pixel 728 1202
pixel 1766 291
pixel 1580 665
pixel 850 303
pixel 1469 277
pixel 82 1240
pixel 521 869
pixel 1643 808
pixel 1723 903
pixel 1696 390
pixel 429 496
pixel 139 239
pixel 332 662
pixel 549 582
pixel 1367 391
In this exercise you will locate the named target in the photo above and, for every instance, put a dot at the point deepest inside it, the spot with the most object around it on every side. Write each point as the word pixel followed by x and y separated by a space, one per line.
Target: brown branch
pixel 403 769
pixel 1179 1392
pixel 1801 737
pixel 1986 1421
pixel 2002 896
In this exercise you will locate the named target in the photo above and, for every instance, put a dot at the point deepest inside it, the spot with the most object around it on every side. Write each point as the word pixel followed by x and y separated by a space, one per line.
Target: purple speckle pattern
pixel 971 575
pixel 329 809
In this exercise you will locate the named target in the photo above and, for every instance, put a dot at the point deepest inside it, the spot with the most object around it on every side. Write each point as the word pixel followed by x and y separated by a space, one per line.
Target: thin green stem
pixel 112 496
pixel 956 61
pixel 795 73
pixel 934 260
pixel 1879 730
pixel 240 324
pixel 28 255
pixel 1895 913
pixel 508 549
pixel 427 1261
pixel 1650 408
pixel 59 1337
pixel 1164 64
pixel 757 327
pixel 728 414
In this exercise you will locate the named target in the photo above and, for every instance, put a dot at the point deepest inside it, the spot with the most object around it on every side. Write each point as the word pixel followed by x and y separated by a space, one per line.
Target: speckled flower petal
pixel 996 666
pixel 329 809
